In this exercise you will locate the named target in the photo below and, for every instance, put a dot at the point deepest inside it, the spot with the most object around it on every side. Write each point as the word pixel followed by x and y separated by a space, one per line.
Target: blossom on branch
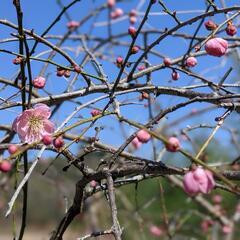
pixel 32 124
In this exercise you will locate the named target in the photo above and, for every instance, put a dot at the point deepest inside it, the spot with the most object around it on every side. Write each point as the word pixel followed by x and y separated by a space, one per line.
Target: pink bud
pixel 206 224
pixel 133 13
pixel 217 198
pixel 132 31
pixel 134 49
pixel 95 112
pixel 231 29
pixel 132 20
pixel 210 25
pixel 167 61
pixel 60 72
pixel 58 142
pixel 5 166
pixel 156 231
pixel 12 148
pixel 17 60
pixel 143 136
pixel 47 140
pixel 67 73
pixel 77 69
pixel 119 61
pixel 216 47
pixel 118 12
pixel 175 75
pixel 111 3
pixel 173 144
pixel 191 62
pixel 136 143
pixel 140 68
pixel 226 229
pixel 72 24
pixel 39 82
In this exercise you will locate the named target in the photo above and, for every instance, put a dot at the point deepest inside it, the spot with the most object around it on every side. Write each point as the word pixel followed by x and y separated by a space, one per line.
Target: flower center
pixel 35 124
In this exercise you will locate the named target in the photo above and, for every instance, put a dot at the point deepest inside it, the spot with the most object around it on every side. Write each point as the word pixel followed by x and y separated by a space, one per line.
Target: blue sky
pixel 40 14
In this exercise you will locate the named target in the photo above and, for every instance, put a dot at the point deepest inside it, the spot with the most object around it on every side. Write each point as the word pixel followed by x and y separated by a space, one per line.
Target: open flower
pixel 198 180
pixel 32 124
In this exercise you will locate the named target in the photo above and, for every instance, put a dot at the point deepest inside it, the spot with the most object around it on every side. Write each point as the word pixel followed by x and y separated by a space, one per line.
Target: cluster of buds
pixel 63 72
pixel 133 16
pixel 57 142
pixel 142 137
pixel 95 112
pixel 116 13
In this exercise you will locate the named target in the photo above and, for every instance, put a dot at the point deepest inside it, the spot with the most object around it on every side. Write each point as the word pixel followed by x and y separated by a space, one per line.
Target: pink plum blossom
pixel 32 124
pixel 136 143
pixel 143 136
pixel 216 47
pixel 191 62
pixel 39 82
pixel 198 180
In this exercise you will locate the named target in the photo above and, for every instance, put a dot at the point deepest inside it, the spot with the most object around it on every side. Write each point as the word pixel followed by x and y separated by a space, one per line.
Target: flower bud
pixel 47 140
pixel 72 25
pixel 191 62
pixel 216 47
pixel 210 25
pixel 119 61
pixel 118 12
pixel 95 112
pixel 140 68
pixel 175 75
pixel 12 148
pixel 17 60
pixel 134 49
pixel 67 73
pixel 77 69
pixel 39 82
pixel 5 166
pixel 167 61
pixel 132 20
pixel 143 136
pixel 60 72
pixel 231 29
pixel 136 143
pixel 58 142
pixel 111 3
pixel 173 144
pixel 156 231
pixel 132 31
